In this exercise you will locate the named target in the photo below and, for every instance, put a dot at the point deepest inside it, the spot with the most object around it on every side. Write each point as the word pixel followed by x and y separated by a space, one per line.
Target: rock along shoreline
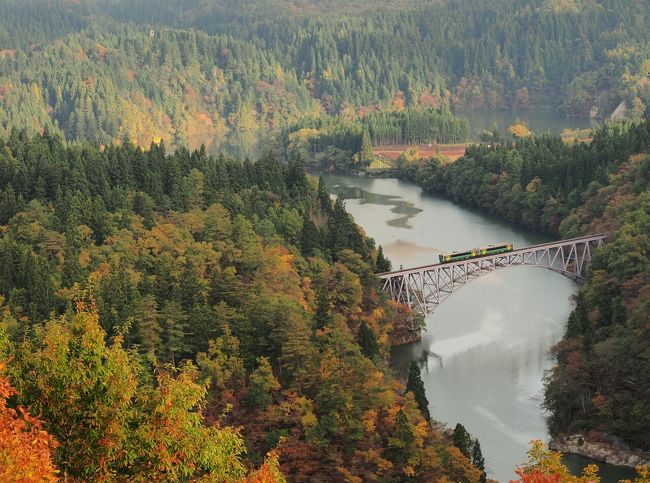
pixel 603 448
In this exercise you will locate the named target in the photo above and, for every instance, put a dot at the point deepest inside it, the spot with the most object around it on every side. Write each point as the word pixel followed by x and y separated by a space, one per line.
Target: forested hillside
pixel 144 294
pixel 228 74
pixel 602 379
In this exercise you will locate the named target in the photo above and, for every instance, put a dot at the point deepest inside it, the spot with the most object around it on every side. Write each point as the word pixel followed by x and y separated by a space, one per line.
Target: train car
pixel 457 256
pixel 476 252
pixel 496 249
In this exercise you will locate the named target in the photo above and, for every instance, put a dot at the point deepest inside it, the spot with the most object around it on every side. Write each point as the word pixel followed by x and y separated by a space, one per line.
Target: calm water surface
pixel 539 120
pixel 486 348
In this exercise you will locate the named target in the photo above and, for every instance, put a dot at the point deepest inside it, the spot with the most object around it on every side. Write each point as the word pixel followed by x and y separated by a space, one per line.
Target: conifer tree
pixel 416 386
pixel 147 325
pixel 366 148
pixel 368 341
pixel 323 196
pixel 309 237
pixel 174 323
pixel 382 264
pixel 462 440
pixel 403 438
pixel 323 315
pixel 262 384
pixel 478 460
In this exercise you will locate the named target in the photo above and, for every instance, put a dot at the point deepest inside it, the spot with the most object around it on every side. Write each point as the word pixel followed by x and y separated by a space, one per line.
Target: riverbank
pixel 401 336
pixel 600 447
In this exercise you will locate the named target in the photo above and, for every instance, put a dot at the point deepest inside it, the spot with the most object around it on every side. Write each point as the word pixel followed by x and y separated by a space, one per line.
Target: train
pixel 476 252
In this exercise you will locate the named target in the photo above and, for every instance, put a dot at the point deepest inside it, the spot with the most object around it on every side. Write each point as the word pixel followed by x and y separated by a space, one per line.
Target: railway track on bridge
pixel 425 288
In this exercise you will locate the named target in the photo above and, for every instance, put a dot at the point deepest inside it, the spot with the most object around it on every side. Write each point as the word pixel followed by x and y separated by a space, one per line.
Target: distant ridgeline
pixel 230 73
pixel 602 375
pixel 345 142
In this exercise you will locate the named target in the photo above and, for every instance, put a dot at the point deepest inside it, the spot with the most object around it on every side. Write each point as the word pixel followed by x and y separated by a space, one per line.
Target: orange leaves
pixel 369 420
pixel 269 472
pixel 25 448
pixel 536 476
pixel 399 101
pixel 280 275
pixel 546 466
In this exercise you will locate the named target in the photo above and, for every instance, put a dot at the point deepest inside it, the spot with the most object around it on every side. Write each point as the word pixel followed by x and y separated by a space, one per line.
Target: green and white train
pixel 476 253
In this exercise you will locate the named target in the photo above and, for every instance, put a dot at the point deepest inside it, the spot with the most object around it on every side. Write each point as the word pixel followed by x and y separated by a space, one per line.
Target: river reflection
pixel 486 348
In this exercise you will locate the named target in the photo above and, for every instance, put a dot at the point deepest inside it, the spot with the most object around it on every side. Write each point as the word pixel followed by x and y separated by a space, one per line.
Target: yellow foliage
pixel 84 258
pixel 369 420
pixel 348 477
pixel 542 462
pixel 309 420
pixel 519 130
pixel 644 69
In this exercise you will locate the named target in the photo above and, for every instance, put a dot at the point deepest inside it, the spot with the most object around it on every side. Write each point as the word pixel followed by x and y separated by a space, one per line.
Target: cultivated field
pixel 450 151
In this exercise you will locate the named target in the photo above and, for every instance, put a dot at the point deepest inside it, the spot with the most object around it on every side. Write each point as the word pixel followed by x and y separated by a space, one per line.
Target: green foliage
pixel 462 440
pixel 366 148
pixel 402 439
pixel 108 422
pixel 382 264
pixel 262 385
pixel 368 341
pixel 227 76
pixel 343 143
pixel 478 461
pixel 571 190
pixel 196 259
pixel 415 385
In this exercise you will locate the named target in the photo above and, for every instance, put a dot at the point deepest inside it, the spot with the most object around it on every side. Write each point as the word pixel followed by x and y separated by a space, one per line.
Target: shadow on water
pixel 401 365
pixel 400 207
pixel 340 185
pixel 608 473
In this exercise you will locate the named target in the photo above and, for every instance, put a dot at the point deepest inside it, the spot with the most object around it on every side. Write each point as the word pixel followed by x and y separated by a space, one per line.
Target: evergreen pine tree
pixel 147 325
pixel 366 148
pixel 582 320
pixel 572 329
pixel 416 386
pixel 262 384
pixel 403 438
pixel 368 341
pixel 478 460
pixel 323 315
pixel 297 178
pixel 619 312
pixel 462 440
pixel 8 207
pixel 174 322
pixel 310 236
pixel 323 197
pixel 382 264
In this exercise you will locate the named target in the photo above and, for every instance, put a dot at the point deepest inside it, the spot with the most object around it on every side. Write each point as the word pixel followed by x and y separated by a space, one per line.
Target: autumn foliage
pixel 25 447
pixel 185 319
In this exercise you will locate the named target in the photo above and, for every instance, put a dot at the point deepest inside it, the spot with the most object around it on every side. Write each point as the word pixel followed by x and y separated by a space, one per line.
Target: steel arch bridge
pixel 424 288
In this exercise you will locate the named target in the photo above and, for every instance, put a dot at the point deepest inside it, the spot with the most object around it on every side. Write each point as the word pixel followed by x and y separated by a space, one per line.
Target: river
pixel 486 348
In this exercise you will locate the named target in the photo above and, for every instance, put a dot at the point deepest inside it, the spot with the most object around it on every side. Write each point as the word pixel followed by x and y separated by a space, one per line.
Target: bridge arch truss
pixel 425 288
